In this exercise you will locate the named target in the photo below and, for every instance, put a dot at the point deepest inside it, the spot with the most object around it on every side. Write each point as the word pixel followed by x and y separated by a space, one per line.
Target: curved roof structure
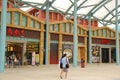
pixel 101 10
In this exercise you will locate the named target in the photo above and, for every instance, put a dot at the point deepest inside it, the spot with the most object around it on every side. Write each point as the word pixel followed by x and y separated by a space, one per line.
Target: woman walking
pixel 64 65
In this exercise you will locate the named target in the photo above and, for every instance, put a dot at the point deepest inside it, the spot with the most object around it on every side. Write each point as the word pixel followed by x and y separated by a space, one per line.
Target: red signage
pixel 15 32
pixel 105 41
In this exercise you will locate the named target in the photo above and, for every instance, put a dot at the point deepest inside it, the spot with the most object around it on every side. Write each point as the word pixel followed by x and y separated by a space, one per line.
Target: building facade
pixel 26 34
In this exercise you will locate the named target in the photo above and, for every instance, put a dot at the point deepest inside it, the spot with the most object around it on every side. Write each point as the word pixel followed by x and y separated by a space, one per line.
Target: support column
pixel 109 55
pixel 75 51
pixel 85 49
pixel 85 43
pixel 117 35
pixel 89 36
pixel 100 55
pixel 60 42
pixel 3 34
pixel 60 47
pixel 41 48
pixel 23 54
pixel 47 34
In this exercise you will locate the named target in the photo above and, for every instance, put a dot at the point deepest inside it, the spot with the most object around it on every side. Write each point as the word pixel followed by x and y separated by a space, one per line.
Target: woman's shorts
pixel 65 69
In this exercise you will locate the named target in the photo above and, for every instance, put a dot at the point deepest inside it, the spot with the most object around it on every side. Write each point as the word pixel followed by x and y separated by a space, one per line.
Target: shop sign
pixel 15 32
pixel 22 33
pixel 105 41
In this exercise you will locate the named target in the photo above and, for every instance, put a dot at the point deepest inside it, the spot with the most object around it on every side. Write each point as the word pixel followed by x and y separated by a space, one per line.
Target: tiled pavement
pixel 51 72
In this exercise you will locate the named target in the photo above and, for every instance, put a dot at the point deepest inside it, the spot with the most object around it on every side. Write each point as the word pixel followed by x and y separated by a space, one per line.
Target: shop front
pixel 21 43
pixel 103 51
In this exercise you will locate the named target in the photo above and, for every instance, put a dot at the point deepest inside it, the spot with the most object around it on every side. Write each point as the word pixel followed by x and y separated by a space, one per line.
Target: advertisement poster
pixel 37 59
pixel 95 54
pixel 33 58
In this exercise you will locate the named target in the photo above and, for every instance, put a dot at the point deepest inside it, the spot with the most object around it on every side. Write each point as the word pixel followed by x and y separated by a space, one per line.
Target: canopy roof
pixel 103 11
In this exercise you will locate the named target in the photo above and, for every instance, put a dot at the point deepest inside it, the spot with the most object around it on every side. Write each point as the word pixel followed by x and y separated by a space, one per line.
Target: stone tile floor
pixel 51 72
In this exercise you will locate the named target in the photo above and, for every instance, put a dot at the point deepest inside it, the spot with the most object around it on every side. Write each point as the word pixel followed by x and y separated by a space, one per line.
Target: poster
pixel 33 58
pixel 37 59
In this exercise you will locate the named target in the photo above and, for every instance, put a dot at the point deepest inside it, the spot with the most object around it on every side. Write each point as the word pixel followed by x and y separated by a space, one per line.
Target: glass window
pixel 83 32
pixel 57 27
pixel 108 33
pixel 104 32
pixel 63 27
pixel 93 33
pixel 68 27
pixel 24 20
pixel 96 33
pixel 16 18
pixel 101 32
pixel 8 18
pixel 72 29
pixel 112 34
pixel 32 23
pixel 38 25
pixel 78 30
pixel 52 27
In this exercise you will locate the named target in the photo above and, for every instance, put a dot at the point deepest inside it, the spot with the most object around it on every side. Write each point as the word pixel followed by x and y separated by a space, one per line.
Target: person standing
pixel 9 61
pixel 64 62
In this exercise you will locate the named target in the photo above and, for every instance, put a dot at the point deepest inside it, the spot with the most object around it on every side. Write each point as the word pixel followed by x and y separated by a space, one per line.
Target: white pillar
pixel 109 55
pixel 100 55
pixel 23 54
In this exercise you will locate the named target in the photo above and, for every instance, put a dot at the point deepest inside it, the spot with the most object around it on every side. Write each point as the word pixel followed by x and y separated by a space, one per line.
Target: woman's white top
pixel 64 61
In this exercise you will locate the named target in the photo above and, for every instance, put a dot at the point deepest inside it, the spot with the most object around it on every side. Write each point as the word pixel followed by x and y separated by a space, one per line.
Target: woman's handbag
pixel 67 65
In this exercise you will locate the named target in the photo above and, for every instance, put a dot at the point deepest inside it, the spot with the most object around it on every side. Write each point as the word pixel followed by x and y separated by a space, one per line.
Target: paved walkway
pixel 51 72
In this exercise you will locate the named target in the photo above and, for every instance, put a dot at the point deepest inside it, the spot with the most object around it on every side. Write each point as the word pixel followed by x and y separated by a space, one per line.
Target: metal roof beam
pixel 29 4
pixel 110 13
pixel 57 10
pixel 46 2
pixel 72 1
pixel 70 7
pixel 79 6
pixel 95 18
pixel 32 6
pixel 20 1
pixel 97 7
pixel 114 16
pixel 101 6
pixel 88 6
pixel 10 3
pixel 108 10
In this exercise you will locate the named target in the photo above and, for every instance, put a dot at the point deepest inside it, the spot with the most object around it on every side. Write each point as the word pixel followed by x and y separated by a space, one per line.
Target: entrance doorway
pixel 53 53
pixel 15 49
pixel 81 53
pixel 113 54
pixel 105 55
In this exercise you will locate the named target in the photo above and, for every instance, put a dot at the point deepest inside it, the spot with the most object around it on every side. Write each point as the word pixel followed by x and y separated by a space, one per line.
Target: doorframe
pixel 106 46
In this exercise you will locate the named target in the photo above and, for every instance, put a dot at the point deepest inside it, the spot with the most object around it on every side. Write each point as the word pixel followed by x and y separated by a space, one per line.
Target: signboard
pixel 22 33
pixel 103 41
